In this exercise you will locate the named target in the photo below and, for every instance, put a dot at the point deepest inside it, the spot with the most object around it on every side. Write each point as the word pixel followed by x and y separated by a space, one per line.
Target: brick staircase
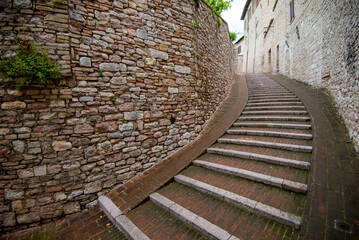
pixel 250 184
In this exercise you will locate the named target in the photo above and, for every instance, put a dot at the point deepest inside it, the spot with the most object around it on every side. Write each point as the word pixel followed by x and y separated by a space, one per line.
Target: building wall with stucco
pixel 319 46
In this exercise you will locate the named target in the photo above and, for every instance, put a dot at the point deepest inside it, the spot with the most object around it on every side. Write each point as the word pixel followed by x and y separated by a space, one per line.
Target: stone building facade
pixel 238 52
pixel 314 41
pixel 140 81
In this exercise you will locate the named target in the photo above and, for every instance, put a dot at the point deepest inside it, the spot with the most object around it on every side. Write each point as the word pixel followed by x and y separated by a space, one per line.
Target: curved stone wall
pixel 140 81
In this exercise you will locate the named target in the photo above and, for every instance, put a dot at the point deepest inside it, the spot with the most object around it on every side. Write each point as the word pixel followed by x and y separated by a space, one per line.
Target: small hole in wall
pixel 173 120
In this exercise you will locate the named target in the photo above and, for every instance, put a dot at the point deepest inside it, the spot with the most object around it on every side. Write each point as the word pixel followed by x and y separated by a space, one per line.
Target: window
pixel 291 7
pixel 239 49
pixel 270 57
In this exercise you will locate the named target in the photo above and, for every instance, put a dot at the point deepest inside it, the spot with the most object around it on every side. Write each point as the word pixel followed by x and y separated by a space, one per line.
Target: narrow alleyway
pixel 277 173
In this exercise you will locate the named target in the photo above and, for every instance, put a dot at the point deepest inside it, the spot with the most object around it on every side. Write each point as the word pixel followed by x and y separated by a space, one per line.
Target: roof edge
pixel 245 9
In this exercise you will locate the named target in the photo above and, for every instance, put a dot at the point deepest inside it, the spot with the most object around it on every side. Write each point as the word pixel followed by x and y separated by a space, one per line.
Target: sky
pixel 233 17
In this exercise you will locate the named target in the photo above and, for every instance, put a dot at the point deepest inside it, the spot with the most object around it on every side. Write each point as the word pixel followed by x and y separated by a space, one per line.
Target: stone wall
pixel 140 81
pixel 319 47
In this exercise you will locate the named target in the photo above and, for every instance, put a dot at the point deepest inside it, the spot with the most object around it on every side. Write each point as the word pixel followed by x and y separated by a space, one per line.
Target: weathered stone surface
pixel 9 219
pixel 134 115
pixel 57 103
pixel 23 3
pixel 92 187
pixel 148 143
pixel 81 142
pixel 85 62
pixel 118 80
pixel 85 128
pixel 110 67
pixel 72 207
pixel 13 105
pixel 172 90
pixel 61 145
pixel 25 173
pixel 127 69
pixel 12 194
pixel 51 211
pixel 28 218
pixel 37 105
pixel 142 33
pixel 158 54
pixel 182 69
pixel 106 127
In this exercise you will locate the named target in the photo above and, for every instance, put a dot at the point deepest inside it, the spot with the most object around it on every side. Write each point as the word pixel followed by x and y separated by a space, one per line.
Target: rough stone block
pixel 134 115
pixel 13 105
pixel 109 67
pixel 182 69
pixel 61 145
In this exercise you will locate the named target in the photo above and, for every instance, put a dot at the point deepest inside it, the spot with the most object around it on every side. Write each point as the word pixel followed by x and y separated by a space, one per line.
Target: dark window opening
pixel 291 7
pixel 173 120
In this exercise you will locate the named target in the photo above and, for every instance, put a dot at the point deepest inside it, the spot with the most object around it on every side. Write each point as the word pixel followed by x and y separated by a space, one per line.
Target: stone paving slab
pixel 333 191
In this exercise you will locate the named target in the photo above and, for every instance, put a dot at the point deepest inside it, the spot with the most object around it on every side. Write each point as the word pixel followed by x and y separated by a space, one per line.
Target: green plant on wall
pixel 28 66
pixel 219 5
pixel 59 2
pixel 233 36
pixel 100 73
pixel 197 56
pixel 219 22
pixel 196 24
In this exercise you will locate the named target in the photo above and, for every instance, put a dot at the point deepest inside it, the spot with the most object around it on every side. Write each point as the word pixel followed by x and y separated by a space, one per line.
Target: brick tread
pixel 299 156
pixel 157 223
pixel 278 198
pixel 292 174
pixel 301 142
pixel 239 222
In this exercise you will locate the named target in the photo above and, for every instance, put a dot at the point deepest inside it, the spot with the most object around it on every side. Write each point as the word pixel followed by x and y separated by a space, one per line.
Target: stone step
pixel 274 112
pixel 237 221
pixel 271 133
pixel 290 147
pixel 254 176
pixel 272 125
pixel 158 223
pixel 124 224
pixel 270 93
pixel 273 118
pixel 273 170
pixel 274 107
pixel 266 96
pixel 242 202
pixel 207 228
pixel 260 157
pixel 294 99
pixel 275 103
